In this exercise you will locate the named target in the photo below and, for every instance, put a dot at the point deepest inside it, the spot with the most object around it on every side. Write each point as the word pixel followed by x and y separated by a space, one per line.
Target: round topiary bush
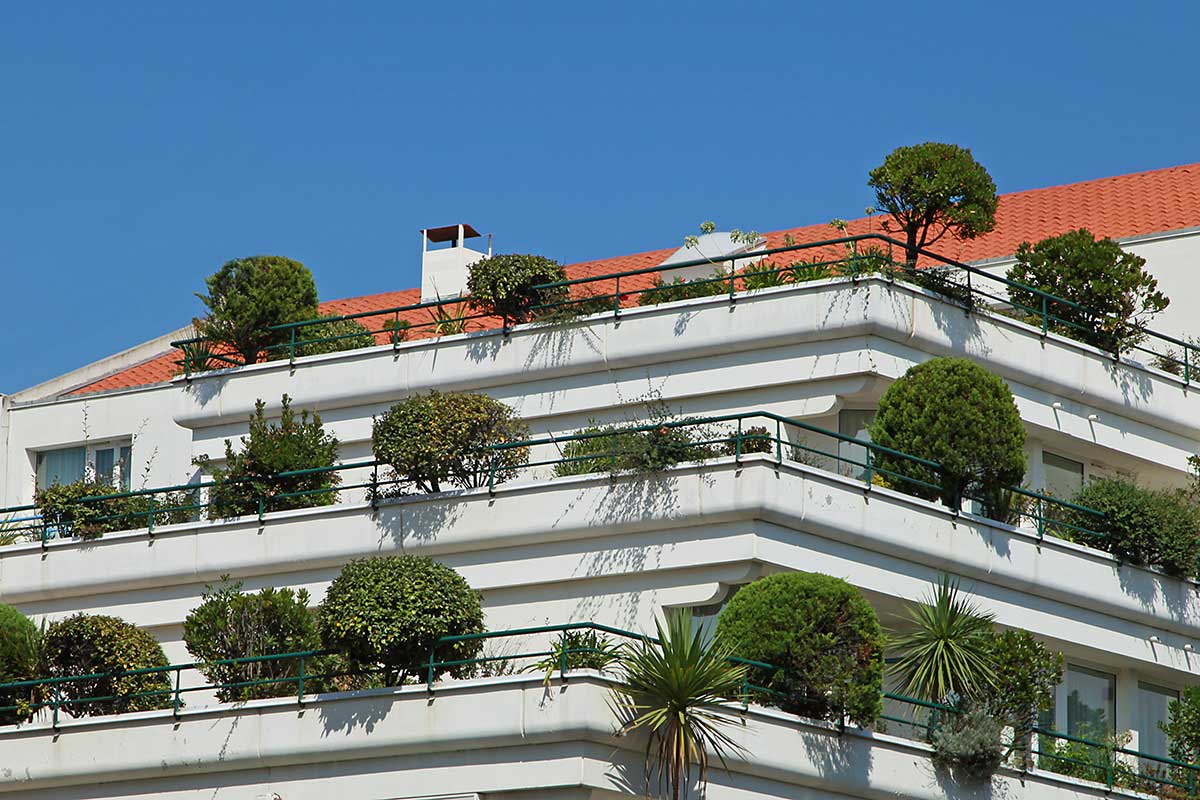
pixel 91 644
pixel 387 613
pixel 821 633
pixel 504 285
pixel 18 662
pixel 1139 525
pixel 435 439
pixel 953 412
pixel 247 296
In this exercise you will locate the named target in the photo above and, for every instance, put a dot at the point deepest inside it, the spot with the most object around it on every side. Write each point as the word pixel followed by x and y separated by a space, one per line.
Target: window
pixel 1062 477
pixel 1090 706
pixel 1152 703
pixel 109 462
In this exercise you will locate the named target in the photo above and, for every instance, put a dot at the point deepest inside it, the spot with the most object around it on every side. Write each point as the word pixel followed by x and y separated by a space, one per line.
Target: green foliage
pixel 954 412
pixel 443 438
pixel 948 650
pixel 248 295
pixel 932 189
pixel 252 472
pixel 448 319
pixel 397 330
pixel 229 624
pixel 1183 726
pixel 754 439
pixel 386 613
pixel 1144 526
pixel 968 745
pixel 618 449
pixel 671 691
pixel 503 285
pixel 94 644
pixel 679 289
pixel 1114 295
pixel 1097 762
pixel 63 508
pixel 332 337
pixel 822 635
pixel 577 649
pixel 1027 673
pixel 20 648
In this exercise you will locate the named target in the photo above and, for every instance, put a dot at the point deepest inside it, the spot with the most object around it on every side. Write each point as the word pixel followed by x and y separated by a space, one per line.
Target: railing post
pixel 261 508
pixel 732 280
pixel 737 443
pixel 778 442
pixel 562 660
pixel 1045 317
pixel 617 299
pixel 175 701
pixel 395 331
pixel 150 518
pixel 292 348
pixel 869 473
pixel 429 675
pixel 300 683
pixel 375 487
pixel 1187 363
pixel 492 475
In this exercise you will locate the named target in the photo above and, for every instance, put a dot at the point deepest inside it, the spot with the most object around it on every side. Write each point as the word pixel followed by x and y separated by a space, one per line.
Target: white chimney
pixel 444 269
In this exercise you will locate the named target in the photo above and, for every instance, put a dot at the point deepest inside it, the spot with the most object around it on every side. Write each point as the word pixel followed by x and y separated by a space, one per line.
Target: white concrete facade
pixel 593 548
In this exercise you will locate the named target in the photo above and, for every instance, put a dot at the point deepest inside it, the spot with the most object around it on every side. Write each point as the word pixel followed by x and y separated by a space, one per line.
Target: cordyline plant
pixel 672 691
pixel 931 190
pixel 948 649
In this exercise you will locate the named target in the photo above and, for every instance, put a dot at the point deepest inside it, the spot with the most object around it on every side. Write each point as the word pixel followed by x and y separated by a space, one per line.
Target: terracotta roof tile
pixel 1117 207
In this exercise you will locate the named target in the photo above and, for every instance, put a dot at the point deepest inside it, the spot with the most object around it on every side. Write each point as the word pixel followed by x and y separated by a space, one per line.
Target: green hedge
pixel 19 653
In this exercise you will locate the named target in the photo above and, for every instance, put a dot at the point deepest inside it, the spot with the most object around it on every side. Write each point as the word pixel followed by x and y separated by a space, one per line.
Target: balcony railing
pixel 860 256
pixel 1096 761
pixel 779 438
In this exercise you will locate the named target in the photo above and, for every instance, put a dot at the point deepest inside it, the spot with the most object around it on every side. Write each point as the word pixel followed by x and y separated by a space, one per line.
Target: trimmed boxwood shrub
pixel 247 296
pixel 503 285
pixel 1143 526
pixel 19 648
pixel 251 472
pixel 822 634
pixel 231 624
pixel 386 613
pixel 436 439
pixel 341 334
pixel 87 644
pixel 954 412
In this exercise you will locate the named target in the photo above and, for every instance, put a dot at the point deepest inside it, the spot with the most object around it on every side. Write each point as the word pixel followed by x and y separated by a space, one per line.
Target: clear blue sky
pixel 145 143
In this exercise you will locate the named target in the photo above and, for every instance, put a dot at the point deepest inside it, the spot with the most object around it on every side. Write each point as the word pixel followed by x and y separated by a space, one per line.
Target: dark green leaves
pixel 504 285
pixel 932 189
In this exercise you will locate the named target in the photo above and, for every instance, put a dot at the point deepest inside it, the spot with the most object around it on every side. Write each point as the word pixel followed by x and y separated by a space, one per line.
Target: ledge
pixel 694 521
pixel 499 735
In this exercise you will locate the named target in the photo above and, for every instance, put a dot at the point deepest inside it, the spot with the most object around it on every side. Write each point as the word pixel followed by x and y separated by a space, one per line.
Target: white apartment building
pixel 619 550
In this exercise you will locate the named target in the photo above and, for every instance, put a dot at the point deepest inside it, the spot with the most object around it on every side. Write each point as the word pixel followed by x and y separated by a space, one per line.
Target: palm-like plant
pixel 947 651
pixel 672 690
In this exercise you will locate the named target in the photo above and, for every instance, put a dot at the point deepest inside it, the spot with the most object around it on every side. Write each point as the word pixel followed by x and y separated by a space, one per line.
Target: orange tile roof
pixel 1117 207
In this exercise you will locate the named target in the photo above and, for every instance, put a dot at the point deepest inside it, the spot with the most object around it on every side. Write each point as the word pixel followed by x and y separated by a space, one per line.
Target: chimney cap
pixel 449 233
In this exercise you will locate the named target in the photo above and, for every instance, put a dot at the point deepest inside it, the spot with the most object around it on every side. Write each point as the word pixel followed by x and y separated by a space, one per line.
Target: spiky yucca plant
pixel 672 690
pixel 947 651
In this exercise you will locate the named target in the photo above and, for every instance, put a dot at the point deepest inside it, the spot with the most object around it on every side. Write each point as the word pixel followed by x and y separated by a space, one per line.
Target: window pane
pixel 104 465
pixel 1063 477
pixel 1090 707
pixel 126 458
pixel 60 466
pixel 1152 704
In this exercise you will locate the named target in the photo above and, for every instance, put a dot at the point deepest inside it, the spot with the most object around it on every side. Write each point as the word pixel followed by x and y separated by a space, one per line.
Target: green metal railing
pixel 872 253
pixel 780 439
pixel 1087 759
